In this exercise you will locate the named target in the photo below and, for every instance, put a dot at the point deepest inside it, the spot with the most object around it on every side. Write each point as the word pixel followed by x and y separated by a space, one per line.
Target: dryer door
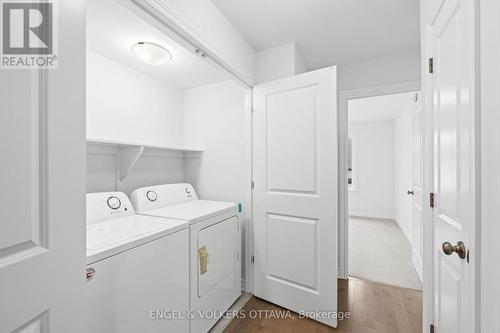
pixel 217 253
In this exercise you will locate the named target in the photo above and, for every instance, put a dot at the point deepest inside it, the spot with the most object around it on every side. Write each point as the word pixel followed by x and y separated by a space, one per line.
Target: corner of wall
pixel 300 63
pixel 280 61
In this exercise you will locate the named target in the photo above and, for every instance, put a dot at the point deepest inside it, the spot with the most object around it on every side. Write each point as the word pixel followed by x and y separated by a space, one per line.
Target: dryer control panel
pixel 104 206
pixel 160 196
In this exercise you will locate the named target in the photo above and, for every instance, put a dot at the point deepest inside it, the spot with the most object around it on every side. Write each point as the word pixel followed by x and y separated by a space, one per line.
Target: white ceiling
pixel 112 29
pixel 328 32
pixel 383 107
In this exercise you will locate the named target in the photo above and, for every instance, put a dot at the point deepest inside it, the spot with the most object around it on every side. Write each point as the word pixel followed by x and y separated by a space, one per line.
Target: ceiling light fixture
pixel 151 53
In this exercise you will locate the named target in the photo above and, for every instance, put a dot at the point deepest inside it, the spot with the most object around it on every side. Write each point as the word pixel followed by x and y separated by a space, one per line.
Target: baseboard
pixel 404 233
pixel 372 215
pixel 417 264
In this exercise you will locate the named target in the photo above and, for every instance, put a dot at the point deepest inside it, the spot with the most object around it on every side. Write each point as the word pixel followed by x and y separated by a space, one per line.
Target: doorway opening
pixel 384 189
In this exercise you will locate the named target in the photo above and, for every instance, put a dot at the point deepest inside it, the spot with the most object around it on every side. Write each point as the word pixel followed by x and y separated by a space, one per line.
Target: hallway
pixel 379 252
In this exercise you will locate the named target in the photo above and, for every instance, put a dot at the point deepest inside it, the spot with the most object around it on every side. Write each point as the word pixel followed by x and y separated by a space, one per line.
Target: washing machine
pixel 137 269
pixel 215 243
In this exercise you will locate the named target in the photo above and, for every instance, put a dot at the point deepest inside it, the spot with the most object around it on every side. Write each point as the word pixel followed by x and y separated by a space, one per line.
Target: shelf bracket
pixel 128 157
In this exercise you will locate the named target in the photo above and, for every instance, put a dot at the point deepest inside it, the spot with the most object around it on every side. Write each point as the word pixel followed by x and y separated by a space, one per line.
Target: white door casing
pixel 295 195
pixel 42 214
pixel 344 97
pixel 490 166
pixel 417 188
pixel 454 212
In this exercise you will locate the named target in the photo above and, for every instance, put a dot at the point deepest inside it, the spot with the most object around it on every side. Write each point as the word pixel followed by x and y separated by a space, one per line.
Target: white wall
pixel 126 105
pixel 300 63
pixel 279 62
pixel 403 171
pixel 214 117
pixel 380 71
pixel 152 168
pixel 374 196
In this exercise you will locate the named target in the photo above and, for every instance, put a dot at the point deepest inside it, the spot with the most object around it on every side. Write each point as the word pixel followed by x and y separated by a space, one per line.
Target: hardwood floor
pixel 373 307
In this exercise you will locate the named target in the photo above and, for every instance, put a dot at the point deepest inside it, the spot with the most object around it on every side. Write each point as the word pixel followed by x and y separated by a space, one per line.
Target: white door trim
pixel 248 283
pixel 489 274
pixel 344 97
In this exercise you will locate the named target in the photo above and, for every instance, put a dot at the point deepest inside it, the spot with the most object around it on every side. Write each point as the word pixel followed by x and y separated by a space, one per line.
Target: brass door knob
pixel 459 249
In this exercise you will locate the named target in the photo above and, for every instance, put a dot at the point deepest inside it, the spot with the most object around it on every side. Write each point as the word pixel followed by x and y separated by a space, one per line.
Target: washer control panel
pixel 160 196
pixel 107 205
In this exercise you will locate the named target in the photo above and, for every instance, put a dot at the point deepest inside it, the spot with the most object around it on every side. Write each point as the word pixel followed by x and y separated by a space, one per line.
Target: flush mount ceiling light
pixel 151 53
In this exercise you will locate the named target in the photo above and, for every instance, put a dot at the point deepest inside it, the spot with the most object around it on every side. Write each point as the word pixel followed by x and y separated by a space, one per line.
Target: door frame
pixel 344 97
pixel 429 11
pixel 489 229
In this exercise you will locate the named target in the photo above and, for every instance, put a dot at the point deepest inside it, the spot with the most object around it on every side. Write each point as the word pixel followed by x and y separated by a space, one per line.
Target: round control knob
pixel 114 202
pixel 151 195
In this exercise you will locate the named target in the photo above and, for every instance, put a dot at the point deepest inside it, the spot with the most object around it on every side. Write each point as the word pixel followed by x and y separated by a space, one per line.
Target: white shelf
pixel 129 152
pixel 144 145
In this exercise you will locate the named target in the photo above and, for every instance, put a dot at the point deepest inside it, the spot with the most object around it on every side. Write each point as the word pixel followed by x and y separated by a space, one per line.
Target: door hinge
pixel 431 65
pixel 431 328
pixel 431 200
pixel 253 185
pixel 253 259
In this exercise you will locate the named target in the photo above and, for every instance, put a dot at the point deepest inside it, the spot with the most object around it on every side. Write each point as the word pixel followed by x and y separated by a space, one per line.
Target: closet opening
pixel 160 114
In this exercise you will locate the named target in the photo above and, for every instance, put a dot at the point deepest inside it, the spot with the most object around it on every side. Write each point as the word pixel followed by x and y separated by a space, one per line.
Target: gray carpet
pixel 380 252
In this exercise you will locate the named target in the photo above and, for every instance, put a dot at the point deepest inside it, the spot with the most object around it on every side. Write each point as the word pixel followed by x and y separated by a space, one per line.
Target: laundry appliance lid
pixel 111 237
pixel 194 211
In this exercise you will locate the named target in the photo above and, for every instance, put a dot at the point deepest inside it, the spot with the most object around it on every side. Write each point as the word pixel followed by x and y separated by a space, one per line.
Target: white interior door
pixel 42 182
pixel 417 189
pixel 454 165
pixel 295 195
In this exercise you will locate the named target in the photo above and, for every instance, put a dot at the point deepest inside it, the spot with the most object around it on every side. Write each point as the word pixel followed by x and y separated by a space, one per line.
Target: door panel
pixel 22 224
pixel 449 289
pixel 295 194
pixel 454 207
pixel 20 227
pixel 291 157
pixel 293 251
pixel 42 202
